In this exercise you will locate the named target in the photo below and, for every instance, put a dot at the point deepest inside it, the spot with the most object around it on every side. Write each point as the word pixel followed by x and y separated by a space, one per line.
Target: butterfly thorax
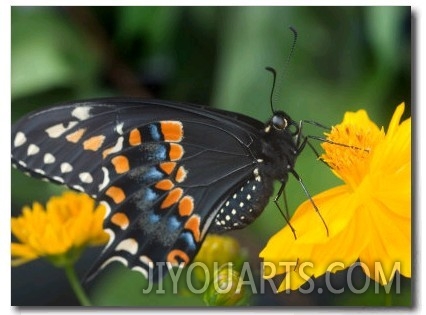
pixel 277 156
pixel 279 147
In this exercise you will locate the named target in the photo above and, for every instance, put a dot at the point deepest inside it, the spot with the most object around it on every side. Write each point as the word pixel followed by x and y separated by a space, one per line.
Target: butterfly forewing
pixel 163 170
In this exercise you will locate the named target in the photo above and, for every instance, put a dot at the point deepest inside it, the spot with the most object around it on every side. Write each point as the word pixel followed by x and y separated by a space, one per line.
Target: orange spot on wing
pixel 120 219
pixel 186 206
pixel 172 197
pixel 168 167
pixel 175 152
pixel 193 224
pixel 116 193
pixel 76 135
pixel 172 131
pixel 135 137
pixel 165 184
pixel 181 174
pixel 93 143
pixel 177 256
pixel 121 164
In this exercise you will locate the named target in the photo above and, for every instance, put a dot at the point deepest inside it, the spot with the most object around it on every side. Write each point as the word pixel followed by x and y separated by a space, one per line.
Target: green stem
pixel 388 299
pixel 388 294
pixel 76 286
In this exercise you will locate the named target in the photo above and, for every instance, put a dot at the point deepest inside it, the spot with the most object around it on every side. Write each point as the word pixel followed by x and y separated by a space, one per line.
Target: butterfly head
pixel 281 123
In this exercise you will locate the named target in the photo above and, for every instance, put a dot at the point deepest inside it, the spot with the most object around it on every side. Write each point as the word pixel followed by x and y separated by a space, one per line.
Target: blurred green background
pixel 346 58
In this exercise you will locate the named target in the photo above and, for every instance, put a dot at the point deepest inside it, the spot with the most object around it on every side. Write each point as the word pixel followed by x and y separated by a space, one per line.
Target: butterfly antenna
pixel 274 95
pixel 293 46
pixel 271 98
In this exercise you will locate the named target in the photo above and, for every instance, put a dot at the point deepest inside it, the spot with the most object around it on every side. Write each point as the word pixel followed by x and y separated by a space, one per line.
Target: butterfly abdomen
pixel 245 204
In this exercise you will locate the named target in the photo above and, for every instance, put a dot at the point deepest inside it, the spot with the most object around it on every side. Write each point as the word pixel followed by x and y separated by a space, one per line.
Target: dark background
pixel 346 58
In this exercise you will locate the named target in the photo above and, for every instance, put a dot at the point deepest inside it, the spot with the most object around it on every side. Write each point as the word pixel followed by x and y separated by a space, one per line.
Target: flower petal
pixel 347 237
pixel 21 254
pixel 293 280
pixel 336 207
pixel 390 171
pixel 396 118
pixel 390 245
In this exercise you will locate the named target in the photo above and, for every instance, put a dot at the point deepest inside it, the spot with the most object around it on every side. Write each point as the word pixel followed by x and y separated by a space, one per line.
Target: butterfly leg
pixel 286 215
pixel 299 179
pixel 319 158
pixel 324 139
pixel 302 141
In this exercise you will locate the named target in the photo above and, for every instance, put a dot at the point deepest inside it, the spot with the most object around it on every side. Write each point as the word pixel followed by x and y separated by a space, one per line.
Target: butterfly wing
pixel 162 169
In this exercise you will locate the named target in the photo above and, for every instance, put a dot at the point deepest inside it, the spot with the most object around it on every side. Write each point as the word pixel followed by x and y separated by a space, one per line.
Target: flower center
pixel 350 150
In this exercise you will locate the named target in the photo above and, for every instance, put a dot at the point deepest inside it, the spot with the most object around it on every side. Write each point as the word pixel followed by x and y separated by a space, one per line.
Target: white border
pixel 418 70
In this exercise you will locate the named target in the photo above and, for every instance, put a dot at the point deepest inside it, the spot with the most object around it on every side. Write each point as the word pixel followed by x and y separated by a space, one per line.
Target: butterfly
pixel 168 173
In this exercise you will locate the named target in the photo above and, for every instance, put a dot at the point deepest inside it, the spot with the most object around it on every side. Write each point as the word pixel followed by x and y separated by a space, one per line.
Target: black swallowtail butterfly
pixel 167 172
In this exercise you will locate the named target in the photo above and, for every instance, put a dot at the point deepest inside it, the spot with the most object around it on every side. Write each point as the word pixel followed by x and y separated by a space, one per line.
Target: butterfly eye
pixel 279 122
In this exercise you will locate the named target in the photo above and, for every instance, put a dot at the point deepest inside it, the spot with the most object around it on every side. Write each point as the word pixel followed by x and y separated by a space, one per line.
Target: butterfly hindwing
pixel 163 170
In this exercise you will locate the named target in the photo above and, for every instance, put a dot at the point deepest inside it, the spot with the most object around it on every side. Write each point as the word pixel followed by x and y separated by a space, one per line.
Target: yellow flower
pixel 59 233
pixel 368 217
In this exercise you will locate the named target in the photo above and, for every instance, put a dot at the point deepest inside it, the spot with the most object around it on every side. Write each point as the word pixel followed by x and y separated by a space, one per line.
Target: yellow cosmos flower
pixel 59 233
pixel 368 217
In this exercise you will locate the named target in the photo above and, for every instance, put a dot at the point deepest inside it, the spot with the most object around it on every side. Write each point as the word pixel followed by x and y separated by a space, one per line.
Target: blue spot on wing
pixel 161 153
pixel 173 223
pixel 154 132
pixel 154 152
pixel 154 218
pixel 153 174
pixel 188 241
pixel 145 199
pixel 150 195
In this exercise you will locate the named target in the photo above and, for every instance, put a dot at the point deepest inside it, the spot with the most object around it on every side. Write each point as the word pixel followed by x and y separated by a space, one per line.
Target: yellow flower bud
pixel 224 289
